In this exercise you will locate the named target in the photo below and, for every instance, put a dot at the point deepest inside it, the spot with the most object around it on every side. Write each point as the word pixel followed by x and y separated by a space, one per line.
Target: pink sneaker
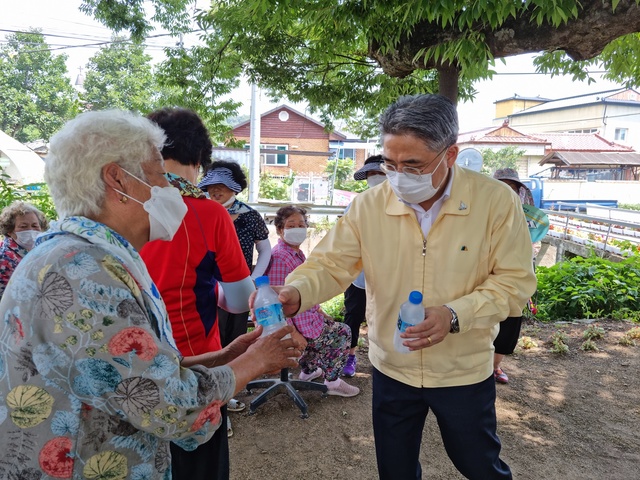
pixel 341 388
pixel 307 377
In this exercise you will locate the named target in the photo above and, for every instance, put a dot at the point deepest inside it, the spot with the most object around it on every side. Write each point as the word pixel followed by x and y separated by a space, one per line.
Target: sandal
pixel 235 405
pixel 500 376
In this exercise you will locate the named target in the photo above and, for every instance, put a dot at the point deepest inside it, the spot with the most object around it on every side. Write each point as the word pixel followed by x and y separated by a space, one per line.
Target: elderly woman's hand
pixel 266 354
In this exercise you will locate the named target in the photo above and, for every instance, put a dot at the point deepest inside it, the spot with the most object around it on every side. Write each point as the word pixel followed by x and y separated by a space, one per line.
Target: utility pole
pixel 254 147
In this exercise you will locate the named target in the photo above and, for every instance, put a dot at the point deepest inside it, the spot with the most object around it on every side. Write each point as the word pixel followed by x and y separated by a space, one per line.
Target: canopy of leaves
pixel 202 78
pixel 349 59
pixel 36 97
pixel 120 76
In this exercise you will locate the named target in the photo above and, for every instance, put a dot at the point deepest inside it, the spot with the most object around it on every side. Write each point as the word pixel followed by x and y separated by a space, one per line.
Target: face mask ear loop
pixel 127 196
pixel 132 175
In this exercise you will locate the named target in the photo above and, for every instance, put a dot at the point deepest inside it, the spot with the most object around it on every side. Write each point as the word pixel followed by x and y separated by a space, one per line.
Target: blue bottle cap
pixel 415 297
pixel 264 280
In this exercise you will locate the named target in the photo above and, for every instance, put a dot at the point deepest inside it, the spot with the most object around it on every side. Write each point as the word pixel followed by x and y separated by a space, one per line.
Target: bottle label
pixel 402 326
pixel 270 315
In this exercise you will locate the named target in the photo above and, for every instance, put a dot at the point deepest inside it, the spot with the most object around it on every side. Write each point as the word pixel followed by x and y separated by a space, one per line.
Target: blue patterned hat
pixel 220 175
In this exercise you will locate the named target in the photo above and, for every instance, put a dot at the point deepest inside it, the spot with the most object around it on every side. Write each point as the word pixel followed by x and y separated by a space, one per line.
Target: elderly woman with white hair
pixel 91 383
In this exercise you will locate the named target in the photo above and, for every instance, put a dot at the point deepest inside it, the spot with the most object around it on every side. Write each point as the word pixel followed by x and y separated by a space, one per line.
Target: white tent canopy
pixel 20 162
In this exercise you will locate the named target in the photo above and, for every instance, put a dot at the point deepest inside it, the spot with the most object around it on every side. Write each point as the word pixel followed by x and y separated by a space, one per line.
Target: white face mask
pixel 295 236
pixel 229 202
pixel 27 238
pixel 374 180
pixel 414 188
pixel 166 210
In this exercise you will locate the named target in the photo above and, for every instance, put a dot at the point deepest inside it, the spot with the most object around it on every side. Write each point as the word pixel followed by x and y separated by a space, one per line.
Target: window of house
pixel 621 134
pixel 584 130
pixel 278 159
pixel 347 153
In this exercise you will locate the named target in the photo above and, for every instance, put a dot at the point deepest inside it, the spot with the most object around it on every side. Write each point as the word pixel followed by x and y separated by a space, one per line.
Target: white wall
pixel 623 192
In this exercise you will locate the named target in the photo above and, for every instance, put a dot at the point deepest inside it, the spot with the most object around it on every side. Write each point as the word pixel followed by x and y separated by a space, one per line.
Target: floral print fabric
pixel 90 387
pixel 10 255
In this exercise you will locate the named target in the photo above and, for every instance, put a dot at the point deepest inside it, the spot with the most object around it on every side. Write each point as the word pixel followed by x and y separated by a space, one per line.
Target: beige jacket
pixel 476 259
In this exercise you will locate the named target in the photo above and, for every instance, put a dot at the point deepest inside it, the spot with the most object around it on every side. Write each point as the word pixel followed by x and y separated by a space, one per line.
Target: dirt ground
pixel 572 417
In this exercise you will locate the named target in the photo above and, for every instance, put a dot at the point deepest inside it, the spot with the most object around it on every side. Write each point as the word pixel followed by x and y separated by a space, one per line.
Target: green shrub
pixel 593 333
pixel 588 288
pixel 559 343
pixel 36 194
pixel 589 346
pixel 335 308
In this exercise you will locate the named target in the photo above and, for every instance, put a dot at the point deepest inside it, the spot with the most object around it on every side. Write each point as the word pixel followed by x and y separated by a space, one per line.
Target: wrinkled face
pixel 28 221
pixel 220 193
pixel 295 220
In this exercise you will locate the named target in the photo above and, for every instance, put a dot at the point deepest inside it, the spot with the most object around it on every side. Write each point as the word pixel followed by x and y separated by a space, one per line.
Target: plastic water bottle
pixel 411 313
pixel 267 307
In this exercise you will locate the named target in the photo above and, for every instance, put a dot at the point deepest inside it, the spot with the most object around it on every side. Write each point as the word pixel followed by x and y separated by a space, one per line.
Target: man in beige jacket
pixel 460 239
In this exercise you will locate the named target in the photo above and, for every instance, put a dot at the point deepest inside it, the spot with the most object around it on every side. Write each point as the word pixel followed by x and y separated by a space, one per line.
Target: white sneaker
pixel 341 388
pixel 307 377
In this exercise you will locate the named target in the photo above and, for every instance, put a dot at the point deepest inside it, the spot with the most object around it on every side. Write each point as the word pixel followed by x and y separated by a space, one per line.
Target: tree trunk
pixel 448 82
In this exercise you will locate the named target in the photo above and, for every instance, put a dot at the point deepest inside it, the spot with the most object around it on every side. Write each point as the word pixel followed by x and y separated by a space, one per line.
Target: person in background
pixel 327 341
pixel 223 180
pixel 91 382
pixel 449 233
pixel 355 297
pixel 201 268
pixel 507 339
pixel 20 224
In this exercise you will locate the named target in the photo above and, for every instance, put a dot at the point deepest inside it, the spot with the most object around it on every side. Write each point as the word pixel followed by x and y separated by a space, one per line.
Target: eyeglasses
pixel 390 168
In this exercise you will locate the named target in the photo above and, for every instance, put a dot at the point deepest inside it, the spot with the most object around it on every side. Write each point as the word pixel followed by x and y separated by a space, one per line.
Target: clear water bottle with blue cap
pixel 411 313
pixel 267 307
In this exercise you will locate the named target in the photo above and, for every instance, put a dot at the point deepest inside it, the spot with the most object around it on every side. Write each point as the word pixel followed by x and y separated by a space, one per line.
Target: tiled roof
pixel 503 134
pixel 581 142
pixel 601 159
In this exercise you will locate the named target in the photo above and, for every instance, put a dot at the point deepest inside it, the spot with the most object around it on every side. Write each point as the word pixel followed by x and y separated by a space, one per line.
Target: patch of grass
pixel 589 346
pixel 593 333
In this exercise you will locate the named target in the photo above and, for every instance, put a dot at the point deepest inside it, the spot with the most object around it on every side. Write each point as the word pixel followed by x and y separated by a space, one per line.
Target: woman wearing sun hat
pixel 223 180
pixel 507 338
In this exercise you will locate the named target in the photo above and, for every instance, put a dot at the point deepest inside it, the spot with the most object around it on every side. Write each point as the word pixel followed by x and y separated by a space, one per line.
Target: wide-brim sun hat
pixel 222 176
pixel 508 174
pixel 371 165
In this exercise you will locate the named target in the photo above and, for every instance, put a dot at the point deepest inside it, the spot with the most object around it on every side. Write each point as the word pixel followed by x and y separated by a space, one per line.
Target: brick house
pixel 300 143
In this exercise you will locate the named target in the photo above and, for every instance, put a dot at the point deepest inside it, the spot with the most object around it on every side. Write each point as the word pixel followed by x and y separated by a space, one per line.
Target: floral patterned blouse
pixel 90 385
pixel 10 255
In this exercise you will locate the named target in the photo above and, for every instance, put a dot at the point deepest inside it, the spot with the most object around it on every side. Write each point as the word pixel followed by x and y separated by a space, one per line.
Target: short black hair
pixel 236 171
pixel 188 140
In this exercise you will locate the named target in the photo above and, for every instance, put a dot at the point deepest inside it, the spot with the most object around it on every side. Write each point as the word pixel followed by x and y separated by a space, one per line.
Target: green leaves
pixel 36 97
pixel 120 76
pixel 588 288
